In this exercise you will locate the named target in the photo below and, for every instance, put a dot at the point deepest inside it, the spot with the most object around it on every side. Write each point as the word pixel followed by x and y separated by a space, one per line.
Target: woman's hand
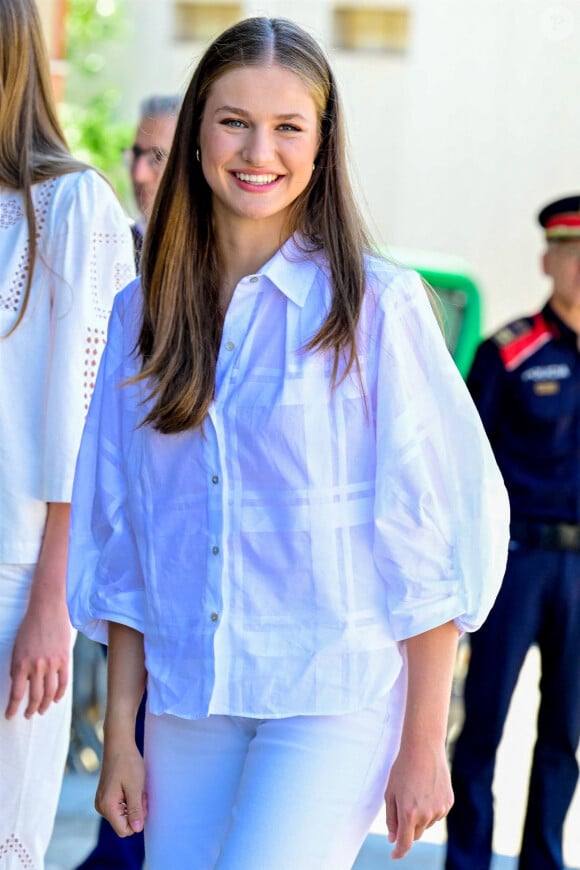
pixel 40 657
pixel 418 794
pixel 121 796
pixel 42 649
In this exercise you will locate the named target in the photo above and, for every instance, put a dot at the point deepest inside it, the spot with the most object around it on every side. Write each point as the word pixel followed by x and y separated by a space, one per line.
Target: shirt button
pixel 214 617
pixel 254 279
pixel 230 345
pixel 215 550
pixel 215 479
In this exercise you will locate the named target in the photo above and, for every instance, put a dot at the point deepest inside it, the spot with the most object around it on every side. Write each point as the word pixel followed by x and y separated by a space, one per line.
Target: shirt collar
pixel 293 269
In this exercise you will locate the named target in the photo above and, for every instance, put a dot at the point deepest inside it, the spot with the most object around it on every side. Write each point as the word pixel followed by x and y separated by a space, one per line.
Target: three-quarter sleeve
pixel 105 577
pixel 442 514
pixel 90 253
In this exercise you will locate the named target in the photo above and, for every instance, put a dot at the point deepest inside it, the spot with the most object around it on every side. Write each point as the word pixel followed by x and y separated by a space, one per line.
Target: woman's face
pixel 258 142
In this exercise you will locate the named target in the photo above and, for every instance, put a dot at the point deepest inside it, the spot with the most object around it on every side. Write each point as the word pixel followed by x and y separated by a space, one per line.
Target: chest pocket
pixel 547 392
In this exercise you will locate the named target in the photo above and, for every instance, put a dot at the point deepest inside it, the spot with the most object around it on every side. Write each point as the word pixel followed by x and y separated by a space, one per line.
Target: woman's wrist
pixel 119 727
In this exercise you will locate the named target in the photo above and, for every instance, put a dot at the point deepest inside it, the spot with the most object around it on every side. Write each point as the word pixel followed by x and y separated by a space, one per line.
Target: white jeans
pixel 298 793
pixel 32 751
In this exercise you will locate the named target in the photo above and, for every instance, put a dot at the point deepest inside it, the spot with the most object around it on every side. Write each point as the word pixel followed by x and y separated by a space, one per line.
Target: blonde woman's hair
pixel 32 144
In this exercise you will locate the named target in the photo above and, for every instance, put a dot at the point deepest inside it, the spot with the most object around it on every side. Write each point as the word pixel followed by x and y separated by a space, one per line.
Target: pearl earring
pixel 197 155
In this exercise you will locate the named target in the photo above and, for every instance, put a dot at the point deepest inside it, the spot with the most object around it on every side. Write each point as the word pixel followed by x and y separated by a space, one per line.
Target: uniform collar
pixel 557 325
pixel 293 269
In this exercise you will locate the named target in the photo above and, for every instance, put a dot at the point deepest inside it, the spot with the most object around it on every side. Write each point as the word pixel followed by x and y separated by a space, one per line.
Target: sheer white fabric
pixel 274 561
pixel 48 365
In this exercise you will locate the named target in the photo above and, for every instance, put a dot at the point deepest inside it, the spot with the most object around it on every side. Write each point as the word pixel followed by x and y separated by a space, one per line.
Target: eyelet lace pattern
pixel 11 213
pixel 14 847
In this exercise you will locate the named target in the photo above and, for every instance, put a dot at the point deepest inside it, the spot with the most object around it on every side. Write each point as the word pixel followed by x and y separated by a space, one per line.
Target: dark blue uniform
pixel 525 382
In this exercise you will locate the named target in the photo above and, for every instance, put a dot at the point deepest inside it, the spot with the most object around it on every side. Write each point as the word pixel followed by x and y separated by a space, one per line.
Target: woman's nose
pixel 259 148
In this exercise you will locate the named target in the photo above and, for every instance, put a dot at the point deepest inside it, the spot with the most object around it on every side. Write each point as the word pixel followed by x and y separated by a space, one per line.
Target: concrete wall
pixel 456 144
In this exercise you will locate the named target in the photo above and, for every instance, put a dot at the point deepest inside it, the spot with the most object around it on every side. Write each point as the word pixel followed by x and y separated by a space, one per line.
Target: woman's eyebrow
pixel 236 110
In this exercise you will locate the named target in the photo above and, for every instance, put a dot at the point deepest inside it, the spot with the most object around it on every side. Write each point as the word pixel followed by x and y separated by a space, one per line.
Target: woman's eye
pixel 289 128
pixel 233 122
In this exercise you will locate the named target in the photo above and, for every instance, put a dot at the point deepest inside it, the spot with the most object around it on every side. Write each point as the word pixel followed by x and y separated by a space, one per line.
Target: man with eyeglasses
pixel 145 160
pixel 146 157
pixel 525 381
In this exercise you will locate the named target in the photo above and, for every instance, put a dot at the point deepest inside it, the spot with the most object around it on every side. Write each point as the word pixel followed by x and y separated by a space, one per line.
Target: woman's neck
pixel 243 250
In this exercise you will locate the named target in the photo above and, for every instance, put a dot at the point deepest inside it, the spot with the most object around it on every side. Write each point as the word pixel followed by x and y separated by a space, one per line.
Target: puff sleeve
pixel 441 514
pixel 105 576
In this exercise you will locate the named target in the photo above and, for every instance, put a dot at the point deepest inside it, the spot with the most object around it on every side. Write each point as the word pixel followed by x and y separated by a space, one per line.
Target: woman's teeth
pixel 256 179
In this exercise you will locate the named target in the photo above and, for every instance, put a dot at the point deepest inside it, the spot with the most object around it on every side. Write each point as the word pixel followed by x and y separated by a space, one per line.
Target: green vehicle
pixel 458 293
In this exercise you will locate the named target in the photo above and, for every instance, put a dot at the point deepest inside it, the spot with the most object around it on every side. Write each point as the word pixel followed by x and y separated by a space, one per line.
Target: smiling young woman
pixel 284 496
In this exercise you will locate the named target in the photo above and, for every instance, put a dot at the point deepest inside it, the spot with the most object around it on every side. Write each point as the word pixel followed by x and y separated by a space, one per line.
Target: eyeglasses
pixel 155 157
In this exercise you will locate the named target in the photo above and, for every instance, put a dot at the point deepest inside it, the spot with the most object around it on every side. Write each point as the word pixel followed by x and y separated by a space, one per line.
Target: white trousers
pixel 297 793
pixel 32 751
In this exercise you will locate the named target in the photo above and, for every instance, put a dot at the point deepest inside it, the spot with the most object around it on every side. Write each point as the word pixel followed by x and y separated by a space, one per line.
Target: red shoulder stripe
pixel 517 351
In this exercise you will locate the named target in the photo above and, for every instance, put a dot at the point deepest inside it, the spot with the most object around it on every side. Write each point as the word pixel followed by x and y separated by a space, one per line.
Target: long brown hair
pixel 32 145
pixel 181 324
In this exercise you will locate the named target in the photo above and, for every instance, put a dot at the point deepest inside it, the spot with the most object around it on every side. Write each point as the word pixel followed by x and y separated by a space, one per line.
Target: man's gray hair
pixel 160 106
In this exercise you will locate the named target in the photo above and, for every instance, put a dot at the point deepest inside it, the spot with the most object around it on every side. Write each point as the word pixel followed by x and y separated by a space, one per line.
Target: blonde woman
pixel 285 508
pixel 65 249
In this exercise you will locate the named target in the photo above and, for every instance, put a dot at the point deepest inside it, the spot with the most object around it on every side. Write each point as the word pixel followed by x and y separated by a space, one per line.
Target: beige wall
pixel 455 144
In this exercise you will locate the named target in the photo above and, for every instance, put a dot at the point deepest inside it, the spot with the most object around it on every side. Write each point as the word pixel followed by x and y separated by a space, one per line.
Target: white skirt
pixel 32 751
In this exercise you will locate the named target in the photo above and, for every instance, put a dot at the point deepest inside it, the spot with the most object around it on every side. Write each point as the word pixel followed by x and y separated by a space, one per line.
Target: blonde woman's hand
pixel 40 661
pixel 41 653
pixel 418 794
pixel 121 796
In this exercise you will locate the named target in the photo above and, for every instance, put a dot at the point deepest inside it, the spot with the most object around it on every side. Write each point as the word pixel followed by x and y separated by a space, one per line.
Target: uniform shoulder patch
pixel 520 339
pixel 511 331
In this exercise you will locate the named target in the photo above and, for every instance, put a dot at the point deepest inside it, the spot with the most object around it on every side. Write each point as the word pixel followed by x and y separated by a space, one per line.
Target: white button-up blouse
pixel 274 560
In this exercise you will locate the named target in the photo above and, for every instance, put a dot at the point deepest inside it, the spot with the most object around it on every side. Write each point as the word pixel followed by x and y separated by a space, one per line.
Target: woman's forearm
pixel 125 681
pixel 50 574
pixel 430 659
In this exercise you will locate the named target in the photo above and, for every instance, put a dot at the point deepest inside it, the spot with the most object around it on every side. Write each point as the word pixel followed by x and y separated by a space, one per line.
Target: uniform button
pixel 215 550
pixel 215 479
pixel 254 279
pixel 230 345
pixel 214 617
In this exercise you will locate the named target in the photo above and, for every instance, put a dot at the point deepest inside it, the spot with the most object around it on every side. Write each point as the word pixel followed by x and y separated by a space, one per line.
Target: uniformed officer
pixel 525 381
